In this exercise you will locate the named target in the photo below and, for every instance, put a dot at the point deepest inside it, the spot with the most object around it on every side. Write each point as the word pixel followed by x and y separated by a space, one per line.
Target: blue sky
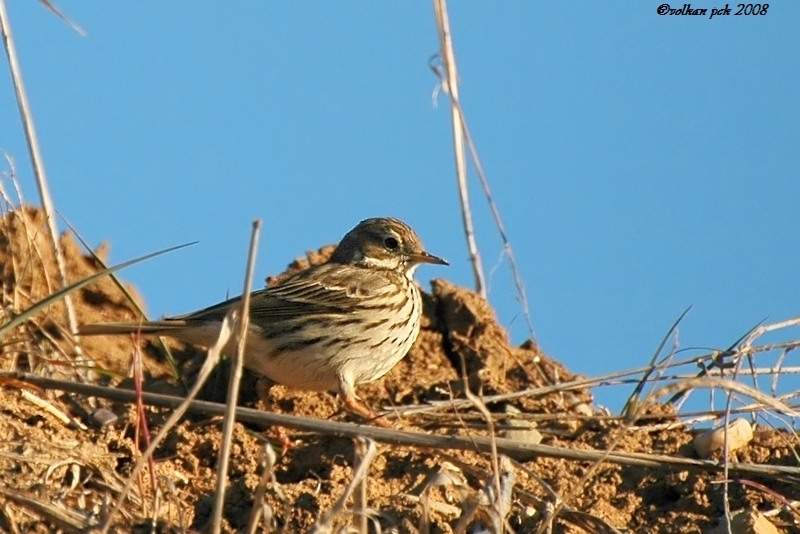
pixel 641 163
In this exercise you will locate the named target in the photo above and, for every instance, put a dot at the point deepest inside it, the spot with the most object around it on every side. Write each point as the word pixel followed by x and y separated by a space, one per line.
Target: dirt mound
pixel 56 475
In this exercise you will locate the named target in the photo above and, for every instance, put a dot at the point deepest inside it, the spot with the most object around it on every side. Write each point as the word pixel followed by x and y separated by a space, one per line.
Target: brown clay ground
pixel 54 476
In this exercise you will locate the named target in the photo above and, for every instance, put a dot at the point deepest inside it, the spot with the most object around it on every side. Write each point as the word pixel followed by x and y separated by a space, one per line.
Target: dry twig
pixel 38 165
pixel 450 84
pixel 325 523
pixel 243 322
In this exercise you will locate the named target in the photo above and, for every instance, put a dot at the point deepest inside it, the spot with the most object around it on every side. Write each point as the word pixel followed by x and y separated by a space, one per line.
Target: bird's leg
pixel 355 405
pixel 263 385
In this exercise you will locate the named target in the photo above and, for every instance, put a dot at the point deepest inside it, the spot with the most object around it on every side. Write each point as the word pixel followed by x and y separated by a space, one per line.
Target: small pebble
pixel 103 417
pixel 523 432
pixel 740 432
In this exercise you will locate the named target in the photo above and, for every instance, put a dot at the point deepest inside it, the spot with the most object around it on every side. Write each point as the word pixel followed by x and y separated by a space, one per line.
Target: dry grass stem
pixel 325 523
pixel 449 81
pixel 38 166
pixel 66 519
pixel 461 134
pixel 457 474
pixel 57 12
pixel 759 331
pixel 729 385
pixel 481 407
pixel 261 509
pixel 508 250
pixel 360 513
pixel 52 410
pixel 242 322
pixel 142 430
pixel 501 502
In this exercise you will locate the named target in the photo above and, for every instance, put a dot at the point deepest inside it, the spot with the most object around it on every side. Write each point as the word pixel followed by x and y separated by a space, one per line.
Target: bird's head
pixel 384 243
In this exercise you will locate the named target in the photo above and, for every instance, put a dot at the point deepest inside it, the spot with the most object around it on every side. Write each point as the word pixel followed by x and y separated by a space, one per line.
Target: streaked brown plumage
pixel 330 327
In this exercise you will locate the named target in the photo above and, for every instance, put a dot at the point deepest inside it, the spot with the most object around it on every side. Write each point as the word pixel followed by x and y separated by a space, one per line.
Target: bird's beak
pixel 424 257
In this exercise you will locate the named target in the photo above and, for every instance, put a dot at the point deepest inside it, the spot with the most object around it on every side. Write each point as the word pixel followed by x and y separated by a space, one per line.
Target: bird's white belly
pixel 309 369
pixel 322 368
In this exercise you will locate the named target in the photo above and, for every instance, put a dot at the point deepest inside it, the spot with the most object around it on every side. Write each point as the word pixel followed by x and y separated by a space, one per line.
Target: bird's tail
pixel 147 328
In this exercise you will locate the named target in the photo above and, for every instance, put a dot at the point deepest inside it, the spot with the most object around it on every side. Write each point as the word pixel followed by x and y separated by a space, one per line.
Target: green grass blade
pixel 47 301
pixel 173 364
pixel 632 404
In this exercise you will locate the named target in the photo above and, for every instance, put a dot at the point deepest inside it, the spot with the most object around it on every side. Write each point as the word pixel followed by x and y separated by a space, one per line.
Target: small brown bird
pixel 328 328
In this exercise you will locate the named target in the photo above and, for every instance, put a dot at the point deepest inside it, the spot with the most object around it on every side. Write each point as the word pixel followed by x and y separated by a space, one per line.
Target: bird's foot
pixel 359 408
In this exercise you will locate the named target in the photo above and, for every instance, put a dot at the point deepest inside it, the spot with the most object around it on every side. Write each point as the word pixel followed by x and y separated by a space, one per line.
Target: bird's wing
pixel 316 291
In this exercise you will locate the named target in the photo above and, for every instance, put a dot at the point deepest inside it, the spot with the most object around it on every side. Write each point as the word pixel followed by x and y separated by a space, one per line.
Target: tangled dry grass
pixel 489 436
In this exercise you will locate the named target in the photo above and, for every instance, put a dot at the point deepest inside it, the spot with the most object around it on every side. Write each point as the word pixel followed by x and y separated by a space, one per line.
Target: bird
pixel 331 327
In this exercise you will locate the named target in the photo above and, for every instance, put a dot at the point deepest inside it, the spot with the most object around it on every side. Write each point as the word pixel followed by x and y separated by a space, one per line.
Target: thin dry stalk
pixel 142 430
pixel 31 258
pixel 725 447
pixel 260 506
pixel 461 133
pixel 481 407
pixel 38 166
pixel 7 511
pixel 32 253
pixel 64 518
pixel 786 504
pixel 243 324
pixel 12 176
pixel 502 501
pixel 174 500
pixel 57 12
pixel 729 385
pixel 498 221
pixel 360 513
pixel 469 420
pixel 10 207
pixel 779 369
pixel 325 523
pixel 450 84
pixel 718 361
pixel 747 344
pixel 48 407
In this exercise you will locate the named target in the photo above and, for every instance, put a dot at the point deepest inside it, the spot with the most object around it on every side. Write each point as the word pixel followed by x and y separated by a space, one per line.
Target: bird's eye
pixel 391 243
